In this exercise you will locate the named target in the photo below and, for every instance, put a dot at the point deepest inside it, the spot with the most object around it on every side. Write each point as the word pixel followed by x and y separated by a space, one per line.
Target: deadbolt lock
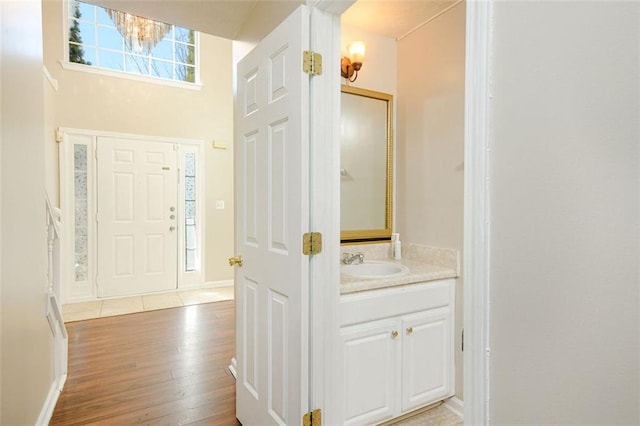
pixel 235 261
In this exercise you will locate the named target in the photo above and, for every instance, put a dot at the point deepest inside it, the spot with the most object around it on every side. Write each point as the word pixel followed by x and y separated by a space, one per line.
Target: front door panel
pixel 137 236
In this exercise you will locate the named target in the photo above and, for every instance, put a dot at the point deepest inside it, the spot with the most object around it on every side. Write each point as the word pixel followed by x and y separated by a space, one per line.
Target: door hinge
pixel 312 62
pixel 311 243
pixel 462 338
pixel 312 418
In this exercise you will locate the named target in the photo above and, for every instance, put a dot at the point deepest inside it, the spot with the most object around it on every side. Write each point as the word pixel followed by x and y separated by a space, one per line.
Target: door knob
pixel 173 216
pixel 409 330
pixel 394 334
pixel 235 261
pixel 172 209
pixel 172 228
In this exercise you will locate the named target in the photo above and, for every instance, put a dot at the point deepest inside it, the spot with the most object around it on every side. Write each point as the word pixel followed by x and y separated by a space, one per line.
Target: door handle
pixel 235 261
pixel 172 228
pixel 173 216
pixel 410 330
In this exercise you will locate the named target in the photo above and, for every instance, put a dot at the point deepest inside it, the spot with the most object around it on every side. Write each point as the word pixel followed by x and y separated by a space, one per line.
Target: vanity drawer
pixel 392 301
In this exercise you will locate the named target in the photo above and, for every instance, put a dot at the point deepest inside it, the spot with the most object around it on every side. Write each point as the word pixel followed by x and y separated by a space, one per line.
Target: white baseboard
pixel 218 284
pixel 455 405
pixel 50 403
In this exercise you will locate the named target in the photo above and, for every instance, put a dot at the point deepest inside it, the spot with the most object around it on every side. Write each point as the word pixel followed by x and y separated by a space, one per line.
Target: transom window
pixel 95 41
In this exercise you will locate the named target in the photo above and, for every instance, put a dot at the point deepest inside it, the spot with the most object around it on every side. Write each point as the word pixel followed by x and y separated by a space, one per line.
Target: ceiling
pixel 392 18
pixel 223 18
pixel 226 18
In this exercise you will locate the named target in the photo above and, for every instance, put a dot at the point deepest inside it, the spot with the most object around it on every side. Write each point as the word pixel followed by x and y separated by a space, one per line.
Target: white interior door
pixel 137 236
pixel 272 199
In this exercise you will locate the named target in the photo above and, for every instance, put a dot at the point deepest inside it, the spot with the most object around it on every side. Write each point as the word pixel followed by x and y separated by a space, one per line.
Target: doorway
pixel 136 205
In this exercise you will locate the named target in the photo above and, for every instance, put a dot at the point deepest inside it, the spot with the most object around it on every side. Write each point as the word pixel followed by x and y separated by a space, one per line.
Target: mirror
pixel 366 164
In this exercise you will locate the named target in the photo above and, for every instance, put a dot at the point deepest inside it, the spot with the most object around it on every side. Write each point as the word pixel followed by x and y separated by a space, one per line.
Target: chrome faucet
pixel 351 258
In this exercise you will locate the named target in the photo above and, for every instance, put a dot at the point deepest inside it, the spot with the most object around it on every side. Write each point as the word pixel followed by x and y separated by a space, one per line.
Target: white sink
pixel 374 269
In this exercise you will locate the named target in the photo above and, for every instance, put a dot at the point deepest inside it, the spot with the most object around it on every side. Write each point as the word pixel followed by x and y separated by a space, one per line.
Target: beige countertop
pixel 424 264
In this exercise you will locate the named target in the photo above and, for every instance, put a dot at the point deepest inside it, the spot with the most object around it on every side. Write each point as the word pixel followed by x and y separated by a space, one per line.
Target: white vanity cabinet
pixel 396 350
pixel 370 373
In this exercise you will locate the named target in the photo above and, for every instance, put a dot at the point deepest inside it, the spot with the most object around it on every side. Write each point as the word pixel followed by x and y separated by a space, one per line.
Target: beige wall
pixel 430 146
pixel 52 169
pixel 97 102
pixel 26 340
pixel 565 187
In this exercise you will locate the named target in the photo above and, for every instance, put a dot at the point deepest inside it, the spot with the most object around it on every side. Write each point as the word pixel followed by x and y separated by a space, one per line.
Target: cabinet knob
pixel 394 334
pixel 409 330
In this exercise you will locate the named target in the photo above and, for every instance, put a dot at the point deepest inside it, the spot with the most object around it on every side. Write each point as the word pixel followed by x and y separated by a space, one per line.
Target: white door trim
pixel 476 267
pixel 324 286
pixel 185 280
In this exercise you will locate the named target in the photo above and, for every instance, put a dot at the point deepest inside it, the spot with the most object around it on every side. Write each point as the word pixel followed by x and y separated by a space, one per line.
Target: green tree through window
pixel 76 52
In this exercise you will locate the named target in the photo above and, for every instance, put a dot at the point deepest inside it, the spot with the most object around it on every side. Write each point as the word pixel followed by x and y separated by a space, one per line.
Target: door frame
pixel 324 205
pixel 477 214
pixel 72 292
pixel 325 186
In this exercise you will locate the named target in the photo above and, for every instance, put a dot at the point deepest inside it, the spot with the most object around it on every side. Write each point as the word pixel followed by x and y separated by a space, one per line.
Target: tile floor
pixel 438 416
pixel 128 305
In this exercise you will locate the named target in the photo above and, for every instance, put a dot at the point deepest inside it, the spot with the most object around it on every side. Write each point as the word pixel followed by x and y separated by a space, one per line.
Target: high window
pixel 94 40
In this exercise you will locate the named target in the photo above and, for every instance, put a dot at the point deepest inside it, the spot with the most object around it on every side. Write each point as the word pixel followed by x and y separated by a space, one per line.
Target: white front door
pixel 137 235
pixel 272 213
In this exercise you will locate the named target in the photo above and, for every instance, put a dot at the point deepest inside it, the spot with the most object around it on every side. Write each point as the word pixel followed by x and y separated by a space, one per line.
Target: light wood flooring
pixel 160 367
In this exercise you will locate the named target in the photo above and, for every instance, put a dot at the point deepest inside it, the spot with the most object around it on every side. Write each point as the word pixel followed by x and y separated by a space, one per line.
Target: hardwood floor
pixel 164 367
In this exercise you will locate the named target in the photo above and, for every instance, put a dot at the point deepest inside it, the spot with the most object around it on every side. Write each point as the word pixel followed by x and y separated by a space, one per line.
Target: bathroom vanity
pixel 396 332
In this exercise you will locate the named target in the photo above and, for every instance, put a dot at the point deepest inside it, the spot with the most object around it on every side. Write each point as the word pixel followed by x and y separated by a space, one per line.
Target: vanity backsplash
pixel 447 258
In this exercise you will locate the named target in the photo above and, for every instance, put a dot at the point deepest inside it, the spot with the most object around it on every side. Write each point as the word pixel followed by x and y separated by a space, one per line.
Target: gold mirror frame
pixel 364 235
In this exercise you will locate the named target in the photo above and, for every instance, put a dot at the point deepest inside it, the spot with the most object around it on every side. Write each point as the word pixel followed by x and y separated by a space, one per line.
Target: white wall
pixel 97 102
pixel 26 340
pixel 430 146
pixel 564 182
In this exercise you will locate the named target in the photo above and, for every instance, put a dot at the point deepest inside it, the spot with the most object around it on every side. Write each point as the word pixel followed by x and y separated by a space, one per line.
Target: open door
pixel 272 213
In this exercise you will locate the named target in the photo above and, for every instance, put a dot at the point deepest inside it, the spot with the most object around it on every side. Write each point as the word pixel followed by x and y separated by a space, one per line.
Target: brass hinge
pixel 312 63
pixel 312 418
pixel 311 243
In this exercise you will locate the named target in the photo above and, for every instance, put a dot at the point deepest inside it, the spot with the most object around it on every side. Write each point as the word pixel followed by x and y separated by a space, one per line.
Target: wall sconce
pixel 350 65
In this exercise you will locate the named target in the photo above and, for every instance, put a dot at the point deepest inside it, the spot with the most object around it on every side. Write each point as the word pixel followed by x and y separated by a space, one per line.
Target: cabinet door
pixel 427 357
pixel 370 369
